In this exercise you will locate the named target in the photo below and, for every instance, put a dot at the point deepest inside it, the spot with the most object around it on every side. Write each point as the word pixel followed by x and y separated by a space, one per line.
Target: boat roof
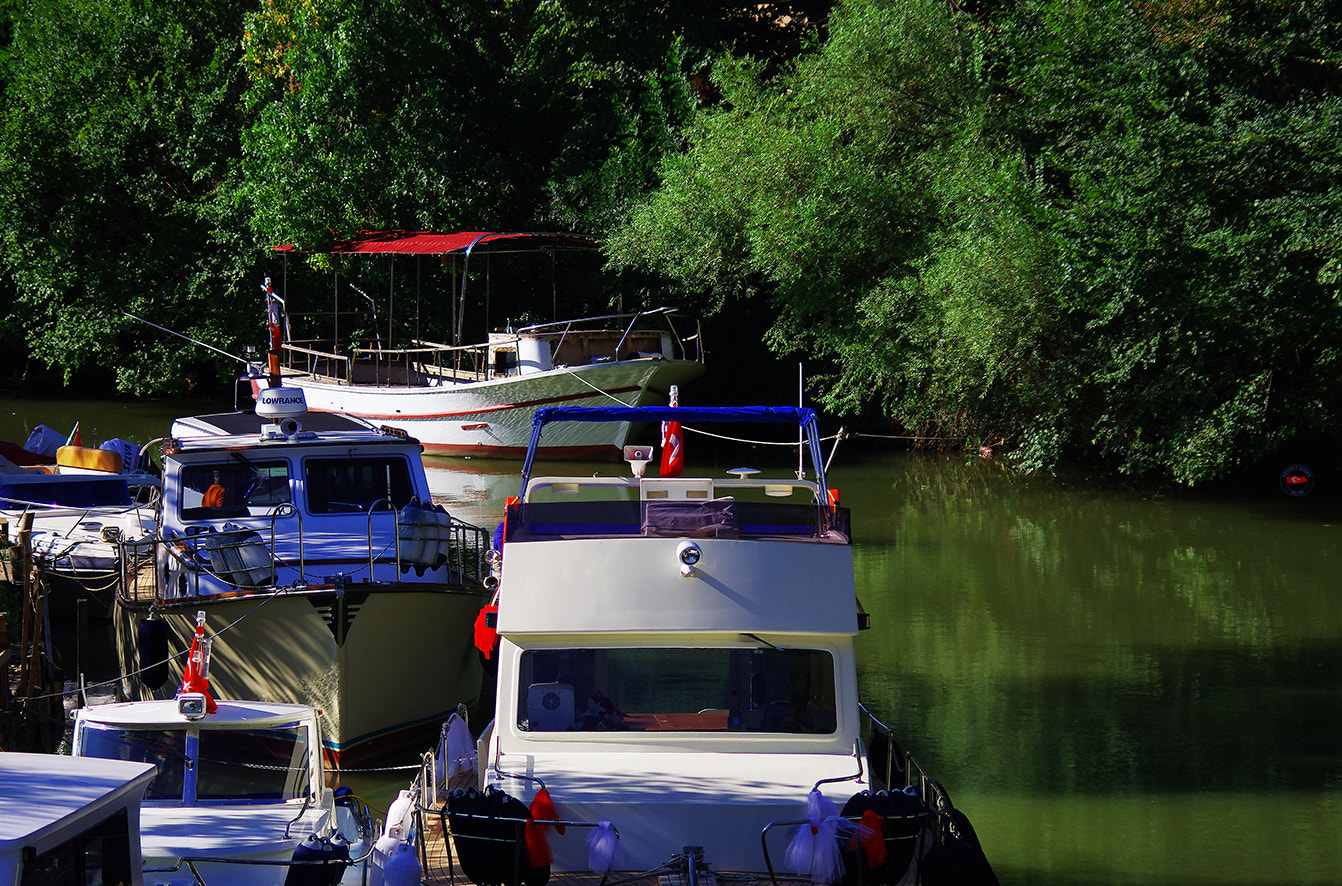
pixel 164 715
pixel 43 792
pixel 238 423
pixel 232 430
pixel 442 243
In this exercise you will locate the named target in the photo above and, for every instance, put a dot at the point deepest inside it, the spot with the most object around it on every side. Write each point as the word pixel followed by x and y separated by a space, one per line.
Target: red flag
pixel 74 438
pixel 673 454
pixel 538 845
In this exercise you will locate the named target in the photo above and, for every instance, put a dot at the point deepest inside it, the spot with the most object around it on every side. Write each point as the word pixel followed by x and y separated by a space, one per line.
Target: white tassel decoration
pixel 460 748
pixel 604 851
pixel 814 850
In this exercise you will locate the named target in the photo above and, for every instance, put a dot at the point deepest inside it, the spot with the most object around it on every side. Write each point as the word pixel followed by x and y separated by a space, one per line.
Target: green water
pixel 1116 687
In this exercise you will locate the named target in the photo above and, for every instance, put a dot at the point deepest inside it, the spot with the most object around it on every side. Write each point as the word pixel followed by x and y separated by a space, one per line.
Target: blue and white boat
pixel 239 794
pixel 326 574
pixel 677 684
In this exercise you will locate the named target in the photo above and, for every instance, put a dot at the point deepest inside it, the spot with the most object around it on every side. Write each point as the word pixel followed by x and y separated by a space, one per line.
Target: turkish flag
pixel 673 454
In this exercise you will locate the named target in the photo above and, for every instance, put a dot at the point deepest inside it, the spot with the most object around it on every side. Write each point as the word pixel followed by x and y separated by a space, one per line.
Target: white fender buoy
pixel 402 867
pixel 398 814
pixel 410 528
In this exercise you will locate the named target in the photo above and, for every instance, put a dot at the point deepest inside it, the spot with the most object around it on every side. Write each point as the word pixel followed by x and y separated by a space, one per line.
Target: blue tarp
pixel 73 491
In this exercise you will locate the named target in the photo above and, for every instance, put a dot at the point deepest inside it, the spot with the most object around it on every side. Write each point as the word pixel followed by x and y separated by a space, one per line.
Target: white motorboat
pixel 81 508
pixel 326 574
pixel 677 686
pixel 70 820
pixel 238 795
pixel 478 399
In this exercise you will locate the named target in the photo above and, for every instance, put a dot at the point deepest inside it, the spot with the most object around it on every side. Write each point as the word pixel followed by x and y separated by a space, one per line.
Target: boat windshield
pixel 232 488
pixel 353 485
pixel 736 689
pixel 233 765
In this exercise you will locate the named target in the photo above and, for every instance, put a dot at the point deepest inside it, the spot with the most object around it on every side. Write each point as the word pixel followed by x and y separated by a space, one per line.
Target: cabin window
pixel 166 749
pixel 100 854
pixel 735 689
pixel 354 485
pixel 254 764
pixel 232 488
pixel 245 765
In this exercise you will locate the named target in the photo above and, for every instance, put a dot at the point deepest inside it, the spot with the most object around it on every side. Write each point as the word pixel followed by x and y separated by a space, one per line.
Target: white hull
pixel 493 418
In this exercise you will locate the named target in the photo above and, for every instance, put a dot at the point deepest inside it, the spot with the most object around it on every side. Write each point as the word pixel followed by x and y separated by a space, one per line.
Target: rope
pixel 616 399
pixel 905 437
pixel 379 769
pixel 791 445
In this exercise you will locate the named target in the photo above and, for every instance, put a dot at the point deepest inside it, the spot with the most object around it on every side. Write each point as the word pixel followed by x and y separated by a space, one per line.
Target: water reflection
pixel 1118 688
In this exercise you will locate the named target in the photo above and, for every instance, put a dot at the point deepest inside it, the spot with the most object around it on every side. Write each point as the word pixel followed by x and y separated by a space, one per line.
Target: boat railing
pixel 891 766
pixel 566 507
pixel 911 805
pixel 411 364
pixel 579 325
pixel 416 362
pixel 240 558
pixel 323 865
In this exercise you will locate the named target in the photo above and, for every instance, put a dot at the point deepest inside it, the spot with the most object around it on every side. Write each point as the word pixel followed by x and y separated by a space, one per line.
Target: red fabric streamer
pixel 538 845
pixel 873 844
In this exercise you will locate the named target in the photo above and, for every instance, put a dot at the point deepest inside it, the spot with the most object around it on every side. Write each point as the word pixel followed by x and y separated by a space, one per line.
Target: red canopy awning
pixel 435 243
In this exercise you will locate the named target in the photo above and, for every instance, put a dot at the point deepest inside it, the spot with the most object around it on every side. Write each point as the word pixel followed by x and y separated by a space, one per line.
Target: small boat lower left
pixel 70 820
pixel 238 792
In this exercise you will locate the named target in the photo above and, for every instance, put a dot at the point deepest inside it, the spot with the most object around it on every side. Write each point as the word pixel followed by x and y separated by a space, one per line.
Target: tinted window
pixel 165 749
pixel 232 488
pixel 352 485
pixel 269 764
pixel 678 690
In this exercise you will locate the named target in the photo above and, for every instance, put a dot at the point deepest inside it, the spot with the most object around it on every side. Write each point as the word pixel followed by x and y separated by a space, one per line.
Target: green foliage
pixel 859 194
pixel 120 119
pixel 1190 167
pixel 1099 229
pixel 432 115
pixel 1082 229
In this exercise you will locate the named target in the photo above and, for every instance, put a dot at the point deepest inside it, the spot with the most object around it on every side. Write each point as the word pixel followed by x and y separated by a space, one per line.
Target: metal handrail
pixel 280 510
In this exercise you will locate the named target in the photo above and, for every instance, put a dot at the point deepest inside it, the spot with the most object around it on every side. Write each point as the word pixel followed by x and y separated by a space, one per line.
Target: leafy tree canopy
pixel 120 119
pixel 1080 229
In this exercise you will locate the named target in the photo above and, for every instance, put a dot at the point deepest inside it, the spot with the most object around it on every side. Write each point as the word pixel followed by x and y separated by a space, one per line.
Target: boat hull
pixel 353 654
pixel 493 418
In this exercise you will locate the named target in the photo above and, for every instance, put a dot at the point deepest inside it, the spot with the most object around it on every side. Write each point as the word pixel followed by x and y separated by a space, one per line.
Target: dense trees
pixel 1080 229
pixel 1092 229
pixel 120 119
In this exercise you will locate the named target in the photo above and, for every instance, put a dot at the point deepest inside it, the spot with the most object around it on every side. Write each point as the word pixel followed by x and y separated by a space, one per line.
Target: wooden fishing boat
pixel 478 398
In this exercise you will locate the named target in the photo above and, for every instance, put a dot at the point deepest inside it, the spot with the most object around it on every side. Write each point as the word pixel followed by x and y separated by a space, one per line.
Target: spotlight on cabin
pixel 191 705
pixel 688 553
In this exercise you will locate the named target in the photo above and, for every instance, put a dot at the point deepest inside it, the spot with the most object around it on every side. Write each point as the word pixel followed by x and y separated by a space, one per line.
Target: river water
pixel 1117 687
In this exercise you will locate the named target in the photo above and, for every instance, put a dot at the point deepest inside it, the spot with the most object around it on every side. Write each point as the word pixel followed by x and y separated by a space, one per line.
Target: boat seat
pixel 550 707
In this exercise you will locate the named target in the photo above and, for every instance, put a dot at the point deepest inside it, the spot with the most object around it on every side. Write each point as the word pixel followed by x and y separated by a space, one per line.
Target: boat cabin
pixel 67 821
pixel 255 501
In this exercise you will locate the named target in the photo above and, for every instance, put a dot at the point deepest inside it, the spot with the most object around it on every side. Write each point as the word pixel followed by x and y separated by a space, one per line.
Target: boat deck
pixel 438 859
